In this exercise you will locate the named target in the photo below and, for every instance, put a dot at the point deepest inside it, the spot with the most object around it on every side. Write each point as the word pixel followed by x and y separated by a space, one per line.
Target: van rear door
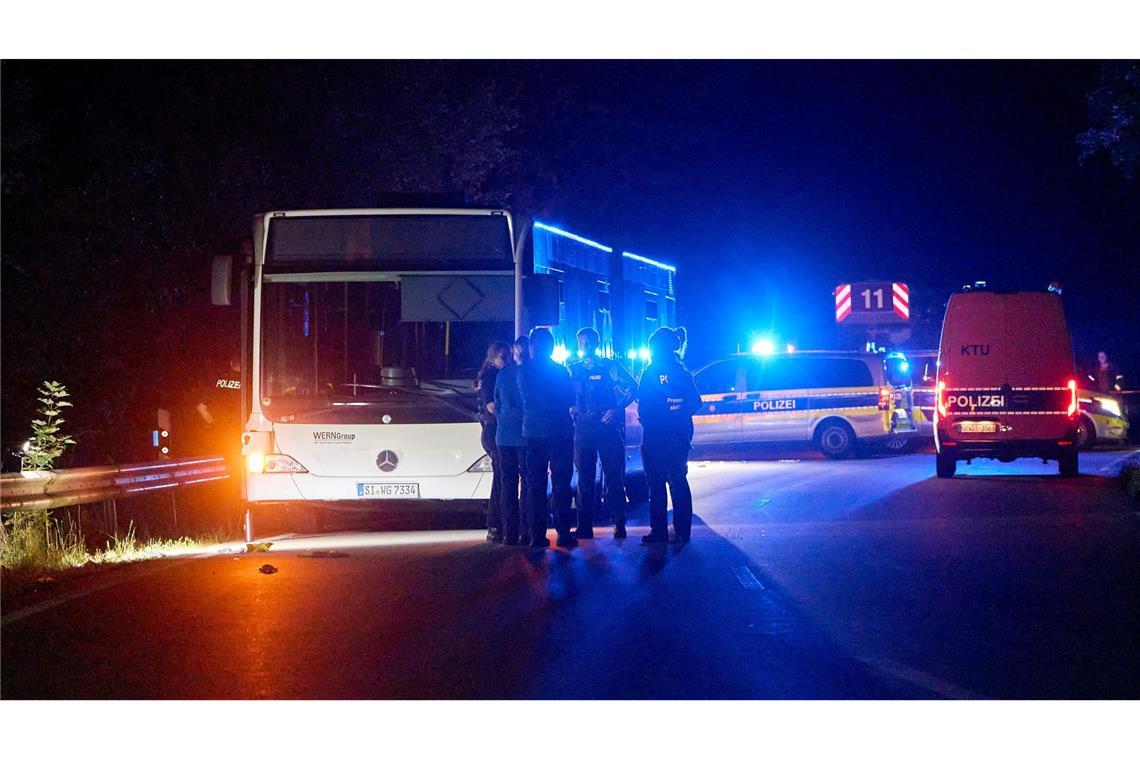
pixel 1038 366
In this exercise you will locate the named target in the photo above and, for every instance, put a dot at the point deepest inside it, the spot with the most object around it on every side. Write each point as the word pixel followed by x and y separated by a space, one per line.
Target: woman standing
pixel 498 354
pixel 512 449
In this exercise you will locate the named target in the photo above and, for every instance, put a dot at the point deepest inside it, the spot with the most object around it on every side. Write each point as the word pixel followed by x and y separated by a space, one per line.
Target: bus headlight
pixel 483 465
pixel 272 463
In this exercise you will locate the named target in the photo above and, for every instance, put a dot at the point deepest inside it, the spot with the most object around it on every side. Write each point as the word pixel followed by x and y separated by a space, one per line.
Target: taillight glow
pixel 940 398
pixel 884 398
pixel 1073 403
pixel 255 462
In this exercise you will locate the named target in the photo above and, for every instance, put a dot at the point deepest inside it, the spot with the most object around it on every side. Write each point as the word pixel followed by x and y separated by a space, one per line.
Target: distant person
pixel 602 391
pixel 498 355
pixel 1105 377
pixel 667 399
pixel 547 395
pixel 512 448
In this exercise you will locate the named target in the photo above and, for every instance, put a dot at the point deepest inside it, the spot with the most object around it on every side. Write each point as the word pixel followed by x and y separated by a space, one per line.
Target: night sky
pixel 767 183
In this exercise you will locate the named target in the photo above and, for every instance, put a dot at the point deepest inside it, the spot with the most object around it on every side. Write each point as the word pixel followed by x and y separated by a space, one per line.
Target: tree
pixel 1114 117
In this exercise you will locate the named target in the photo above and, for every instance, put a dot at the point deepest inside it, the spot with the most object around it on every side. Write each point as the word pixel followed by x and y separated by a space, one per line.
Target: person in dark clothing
pixel 498 354
pixel 667 398
pixel 512 449
pixel 1105 378
pixel 547 395
pixel 602 391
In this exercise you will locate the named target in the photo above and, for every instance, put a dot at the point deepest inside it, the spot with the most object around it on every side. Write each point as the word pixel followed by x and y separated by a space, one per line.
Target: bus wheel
pixel 945 466
pixel 637 488
pixel 835 439
pixel 1067 462
pixel 1086 432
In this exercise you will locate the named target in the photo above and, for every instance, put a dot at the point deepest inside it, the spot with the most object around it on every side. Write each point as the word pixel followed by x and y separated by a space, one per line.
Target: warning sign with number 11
pixel 872 303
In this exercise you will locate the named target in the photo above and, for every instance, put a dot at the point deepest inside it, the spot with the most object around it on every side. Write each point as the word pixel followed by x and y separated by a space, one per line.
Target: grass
pixel 33 542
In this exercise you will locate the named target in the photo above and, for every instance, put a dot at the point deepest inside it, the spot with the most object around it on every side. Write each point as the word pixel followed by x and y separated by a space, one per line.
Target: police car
pixel 923 374
pixel 834 399
pixel 1102 419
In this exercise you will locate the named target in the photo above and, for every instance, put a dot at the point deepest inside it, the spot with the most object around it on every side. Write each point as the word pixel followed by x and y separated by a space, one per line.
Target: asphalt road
pixel 805 579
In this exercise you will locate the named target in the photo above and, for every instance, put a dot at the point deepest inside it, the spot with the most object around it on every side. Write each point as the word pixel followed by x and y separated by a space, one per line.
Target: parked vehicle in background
pixel 834 399
pixel 1006 384
pixel 1102 419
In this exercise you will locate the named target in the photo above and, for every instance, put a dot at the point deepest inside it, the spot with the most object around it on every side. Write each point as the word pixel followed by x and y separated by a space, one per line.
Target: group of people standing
pixel 541 420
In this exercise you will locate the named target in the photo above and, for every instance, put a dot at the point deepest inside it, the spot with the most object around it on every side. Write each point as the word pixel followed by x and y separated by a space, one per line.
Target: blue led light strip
pixel 574 237
pixel 651 262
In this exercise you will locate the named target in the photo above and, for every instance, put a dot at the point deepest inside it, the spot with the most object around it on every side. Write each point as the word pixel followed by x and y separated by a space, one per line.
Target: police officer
pixel 602 391
pixel 218 404
pixel 667 398
pixel 498 354
pixel 512 448
pixel 547 395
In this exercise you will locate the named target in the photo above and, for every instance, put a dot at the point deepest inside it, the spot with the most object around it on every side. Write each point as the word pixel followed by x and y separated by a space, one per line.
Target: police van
pixel 1006 384
pixel 834 399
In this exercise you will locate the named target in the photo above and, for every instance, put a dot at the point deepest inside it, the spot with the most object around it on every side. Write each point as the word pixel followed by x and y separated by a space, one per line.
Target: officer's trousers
pixel 557 456
pixel 512 473
pixel 666 458
pixel 494 518
pixel 594 440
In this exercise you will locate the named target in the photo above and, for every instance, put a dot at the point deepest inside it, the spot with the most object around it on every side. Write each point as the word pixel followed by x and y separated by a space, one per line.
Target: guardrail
pixel 48 489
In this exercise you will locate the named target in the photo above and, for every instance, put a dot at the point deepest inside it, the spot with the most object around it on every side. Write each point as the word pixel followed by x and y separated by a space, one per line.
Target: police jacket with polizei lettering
pixel 546 395
pixel 667 398
pixel 602 386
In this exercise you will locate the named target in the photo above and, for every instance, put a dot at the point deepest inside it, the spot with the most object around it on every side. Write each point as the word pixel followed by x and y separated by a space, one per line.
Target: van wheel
pixel 1067 463
pixel 1086 432
pixel 306 519
pixel 945 466
pixel 835 439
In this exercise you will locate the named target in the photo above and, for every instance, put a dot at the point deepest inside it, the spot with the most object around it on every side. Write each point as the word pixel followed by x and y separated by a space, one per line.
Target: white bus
pixel 363 330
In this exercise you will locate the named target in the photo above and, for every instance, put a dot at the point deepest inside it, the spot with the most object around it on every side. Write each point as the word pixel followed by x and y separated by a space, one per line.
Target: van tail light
pixel 884 398
pixel 1073 404
pixel 257 462
pixel 940 398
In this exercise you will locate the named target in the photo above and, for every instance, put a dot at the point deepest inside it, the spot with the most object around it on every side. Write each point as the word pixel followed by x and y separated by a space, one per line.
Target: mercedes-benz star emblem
pixel 387 460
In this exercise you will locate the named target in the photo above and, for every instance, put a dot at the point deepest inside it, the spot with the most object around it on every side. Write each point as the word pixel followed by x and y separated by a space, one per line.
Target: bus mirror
pixel 221 279
pixel 541 298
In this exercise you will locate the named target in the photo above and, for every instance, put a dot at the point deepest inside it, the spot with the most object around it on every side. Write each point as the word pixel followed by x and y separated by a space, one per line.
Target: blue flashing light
pixel 632 354
pixel 572 236
pixel 650 262
pixel 643 354
pixel 764 347
pixel 560 354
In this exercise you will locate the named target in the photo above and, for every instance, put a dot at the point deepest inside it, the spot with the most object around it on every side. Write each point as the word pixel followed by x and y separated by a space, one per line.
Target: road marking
pixel 747 579
pixel 921 679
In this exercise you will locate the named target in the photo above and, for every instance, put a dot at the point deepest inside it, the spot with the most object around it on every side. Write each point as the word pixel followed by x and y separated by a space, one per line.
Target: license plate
pixel 388 490
pixel 973 426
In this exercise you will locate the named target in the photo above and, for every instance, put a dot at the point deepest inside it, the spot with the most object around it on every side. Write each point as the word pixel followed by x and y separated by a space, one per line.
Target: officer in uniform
pixel 602 391
pixel 218 404
pixel 667 398
pixel 547 395
pixel 512 448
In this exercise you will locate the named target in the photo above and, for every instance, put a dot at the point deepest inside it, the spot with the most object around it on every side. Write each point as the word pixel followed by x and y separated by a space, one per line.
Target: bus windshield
pixel 340 351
